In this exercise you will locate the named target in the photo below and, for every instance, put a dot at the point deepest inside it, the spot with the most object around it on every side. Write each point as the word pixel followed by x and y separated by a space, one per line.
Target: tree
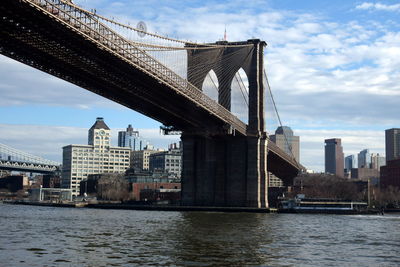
pixel 327 186
pixel 112 187
pixel 387 197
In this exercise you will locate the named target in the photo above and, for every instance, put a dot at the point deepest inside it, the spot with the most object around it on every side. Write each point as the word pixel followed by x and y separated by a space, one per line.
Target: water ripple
pixel 43 236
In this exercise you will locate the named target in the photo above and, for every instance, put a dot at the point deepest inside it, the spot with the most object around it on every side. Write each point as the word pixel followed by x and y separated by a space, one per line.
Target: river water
pixel 46 236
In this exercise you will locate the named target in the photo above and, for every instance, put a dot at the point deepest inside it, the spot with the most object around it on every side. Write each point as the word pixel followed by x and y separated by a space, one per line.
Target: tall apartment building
pixel 130 138
pixel 392 141
pixel 97 157
pixel 334 158
pixel 167 161
pixel 364 159
pixel 288 142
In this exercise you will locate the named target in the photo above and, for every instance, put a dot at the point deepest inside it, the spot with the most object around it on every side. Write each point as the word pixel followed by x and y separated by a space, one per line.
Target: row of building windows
pixel 78 174
pixel 173 165
pixel 96 161
pixel 91 151
pixel 101 157
pixel 172 160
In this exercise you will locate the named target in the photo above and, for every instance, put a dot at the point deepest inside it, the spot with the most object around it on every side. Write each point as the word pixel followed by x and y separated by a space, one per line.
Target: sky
pixel 333 66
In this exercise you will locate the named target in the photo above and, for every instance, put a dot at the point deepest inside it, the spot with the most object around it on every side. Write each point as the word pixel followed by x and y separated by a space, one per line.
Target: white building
pixel 95 158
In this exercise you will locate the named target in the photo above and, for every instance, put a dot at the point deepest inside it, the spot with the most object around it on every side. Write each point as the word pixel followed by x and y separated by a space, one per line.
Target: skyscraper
pixel 285 139
pixel 377 161
pixel 364 159
pixel 334 158
pixel 129 138
pixel 392 140
pixel 349 162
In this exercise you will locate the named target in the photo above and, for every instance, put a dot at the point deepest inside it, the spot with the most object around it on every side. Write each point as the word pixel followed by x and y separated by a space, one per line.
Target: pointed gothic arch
pixel 240 95
pixel 210 85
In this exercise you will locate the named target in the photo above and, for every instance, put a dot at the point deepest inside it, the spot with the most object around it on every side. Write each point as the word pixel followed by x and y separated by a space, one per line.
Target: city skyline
pixel 319 59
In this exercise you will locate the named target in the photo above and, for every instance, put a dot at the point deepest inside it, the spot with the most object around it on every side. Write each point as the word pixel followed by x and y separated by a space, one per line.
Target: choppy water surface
pixel 44 236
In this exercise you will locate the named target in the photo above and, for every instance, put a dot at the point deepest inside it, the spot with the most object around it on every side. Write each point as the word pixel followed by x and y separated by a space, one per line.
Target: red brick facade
pixel 390 174
pixel 137 187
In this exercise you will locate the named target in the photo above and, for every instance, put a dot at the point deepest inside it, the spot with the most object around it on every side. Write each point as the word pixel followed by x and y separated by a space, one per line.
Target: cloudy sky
pixel 333 66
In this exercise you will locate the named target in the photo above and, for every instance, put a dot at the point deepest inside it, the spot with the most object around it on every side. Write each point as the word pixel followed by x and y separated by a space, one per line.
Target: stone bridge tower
pixel 221 168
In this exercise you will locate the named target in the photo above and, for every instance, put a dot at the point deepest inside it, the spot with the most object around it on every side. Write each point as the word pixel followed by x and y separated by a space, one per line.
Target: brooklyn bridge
pixel 197 89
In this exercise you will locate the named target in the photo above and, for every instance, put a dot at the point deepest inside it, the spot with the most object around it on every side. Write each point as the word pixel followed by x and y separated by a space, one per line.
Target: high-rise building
pixel 349 163
pixel 377 161
pixel 288 142
pixel 95 158
pixel 364 159
pixel 334 158
pixel 129 138
pixel 392 140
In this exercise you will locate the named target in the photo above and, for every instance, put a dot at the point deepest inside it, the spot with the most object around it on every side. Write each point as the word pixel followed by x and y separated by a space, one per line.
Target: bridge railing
pixel 27 166
pixel 9 154
pixel 88 25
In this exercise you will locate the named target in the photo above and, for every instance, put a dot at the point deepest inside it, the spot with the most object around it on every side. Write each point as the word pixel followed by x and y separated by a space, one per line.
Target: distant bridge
pixel 12 159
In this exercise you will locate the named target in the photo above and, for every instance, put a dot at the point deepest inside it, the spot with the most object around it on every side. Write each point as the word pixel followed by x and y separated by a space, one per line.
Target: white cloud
pixel 378 6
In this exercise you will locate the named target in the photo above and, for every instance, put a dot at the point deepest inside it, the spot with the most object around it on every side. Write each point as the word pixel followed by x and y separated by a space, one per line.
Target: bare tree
pixel 387 197
pixel 112 187
pixel 327 186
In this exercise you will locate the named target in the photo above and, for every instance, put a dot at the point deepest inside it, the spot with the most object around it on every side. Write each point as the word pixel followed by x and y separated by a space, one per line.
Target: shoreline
pixel 121 206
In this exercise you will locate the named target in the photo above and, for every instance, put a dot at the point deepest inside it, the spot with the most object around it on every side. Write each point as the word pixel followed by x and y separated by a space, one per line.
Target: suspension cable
pixel 279 118
pixel 192 45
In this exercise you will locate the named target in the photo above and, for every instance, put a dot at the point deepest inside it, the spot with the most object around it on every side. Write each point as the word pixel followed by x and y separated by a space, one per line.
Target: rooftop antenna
pixel 225 33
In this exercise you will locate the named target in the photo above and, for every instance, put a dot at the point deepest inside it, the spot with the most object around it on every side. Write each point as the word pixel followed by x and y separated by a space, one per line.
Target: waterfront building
pixel 364 173
pixel 131 186
pixel 364 159
pixel 377 161
pixel 13 183
pixel 334 158
pixel 392 142
pixel 130 138
pixel 390 174
pixel 51 181
pixel 167 161
pixel 97 157
pixel 140 159
pixel 139 176
pixel 285 139
pixel 350 162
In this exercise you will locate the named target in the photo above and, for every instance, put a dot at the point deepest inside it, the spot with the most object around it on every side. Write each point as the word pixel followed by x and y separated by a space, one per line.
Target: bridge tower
pixel 222 168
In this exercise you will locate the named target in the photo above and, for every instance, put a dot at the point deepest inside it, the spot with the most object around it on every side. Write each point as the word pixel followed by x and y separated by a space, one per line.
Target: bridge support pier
pixel 224 171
